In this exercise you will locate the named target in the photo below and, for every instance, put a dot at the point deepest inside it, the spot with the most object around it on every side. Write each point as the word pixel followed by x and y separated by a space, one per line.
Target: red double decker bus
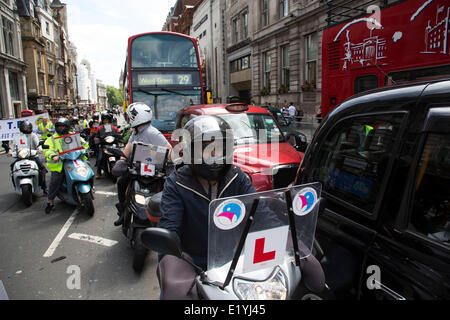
pixel 163 71
pixel 403 42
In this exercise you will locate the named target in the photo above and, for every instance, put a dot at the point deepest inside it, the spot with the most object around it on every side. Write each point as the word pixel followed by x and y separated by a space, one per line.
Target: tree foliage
pixel 114 96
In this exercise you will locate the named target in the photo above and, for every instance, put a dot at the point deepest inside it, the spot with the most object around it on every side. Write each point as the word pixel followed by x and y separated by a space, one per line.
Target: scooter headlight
pixel 274 288
pixel 109 139
pixel 140 199
pixel 23 153
pixel 82 171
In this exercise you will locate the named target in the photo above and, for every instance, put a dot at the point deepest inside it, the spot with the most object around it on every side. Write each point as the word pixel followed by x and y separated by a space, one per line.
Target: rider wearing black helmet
pixel 26 128
pixel 54 163
pixel 102 131
pixel 208 174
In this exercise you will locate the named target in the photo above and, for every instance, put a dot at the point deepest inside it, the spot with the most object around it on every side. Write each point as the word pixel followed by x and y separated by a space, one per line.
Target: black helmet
pixel 106 116
pixel 26 127
pixel 95 116
pixel 62 126
pixel 209 129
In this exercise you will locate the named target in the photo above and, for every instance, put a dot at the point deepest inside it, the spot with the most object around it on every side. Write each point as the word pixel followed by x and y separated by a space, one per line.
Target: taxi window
pixel 431 205
pixel 354 157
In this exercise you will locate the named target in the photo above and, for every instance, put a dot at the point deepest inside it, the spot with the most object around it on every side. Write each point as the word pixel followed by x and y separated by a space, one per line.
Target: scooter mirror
pixel 162 241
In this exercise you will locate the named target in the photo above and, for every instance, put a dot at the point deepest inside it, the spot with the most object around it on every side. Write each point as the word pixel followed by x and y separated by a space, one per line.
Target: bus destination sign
pixel 156 79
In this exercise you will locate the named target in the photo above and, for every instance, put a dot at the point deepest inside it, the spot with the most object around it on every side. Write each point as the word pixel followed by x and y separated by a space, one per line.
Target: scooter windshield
pixel 260 226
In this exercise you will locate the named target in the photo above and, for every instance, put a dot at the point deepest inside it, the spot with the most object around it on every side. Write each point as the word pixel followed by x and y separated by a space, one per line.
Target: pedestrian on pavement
pixel 292 111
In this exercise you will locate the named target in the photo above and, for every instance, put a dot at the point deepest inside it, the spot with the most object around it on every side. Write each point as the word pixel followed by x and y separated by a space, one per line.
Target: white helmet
pixel 139 113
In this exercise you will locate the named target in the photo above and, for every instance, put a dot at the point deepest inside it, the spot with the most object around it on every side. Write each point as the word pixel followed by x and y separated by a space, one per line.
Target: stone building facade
pixel 13 97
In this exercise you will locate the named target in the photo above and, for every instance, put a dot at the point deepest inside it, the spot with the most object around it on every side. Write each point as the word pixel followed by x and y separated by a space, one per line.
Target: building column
pixel 8 107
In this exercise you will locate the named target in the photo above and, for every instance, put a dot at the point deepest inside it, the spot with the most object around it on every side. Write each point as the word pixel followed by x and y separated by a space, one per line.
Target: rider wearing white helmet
pixel 140 116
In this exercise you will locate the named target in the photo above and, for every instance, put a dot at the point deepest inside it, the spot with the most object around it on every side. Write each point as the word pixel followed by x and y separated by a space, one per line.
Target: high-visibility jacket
pixel 85 124
pixel 54 150
pixel 46 130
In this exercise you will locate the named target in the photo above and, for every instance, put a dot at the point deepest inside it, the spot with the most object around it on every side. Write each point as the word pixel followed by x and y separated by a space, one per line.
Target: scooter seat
pixel 153 205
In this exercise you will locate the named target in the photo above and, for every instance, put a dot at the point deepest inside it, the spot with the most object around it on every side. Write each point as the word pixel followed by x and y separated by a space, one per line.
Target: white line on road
pixel 93 239
pixel 60 235
pixel 3 294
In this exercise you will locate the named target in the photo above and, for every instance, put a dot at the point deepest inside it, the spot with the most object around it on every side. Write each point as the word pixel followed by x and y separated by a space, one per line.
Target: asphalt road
pixel 27 233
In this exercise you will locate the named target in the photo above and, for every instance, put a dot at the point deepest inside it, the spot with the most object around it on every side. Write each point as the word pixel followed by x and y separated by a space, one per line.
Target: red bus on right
pixel 404 42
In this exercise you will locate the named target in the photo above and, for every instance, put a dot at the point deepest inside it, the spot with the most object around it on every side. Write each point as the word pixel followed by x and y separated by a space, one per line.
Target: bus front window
pixel 165 105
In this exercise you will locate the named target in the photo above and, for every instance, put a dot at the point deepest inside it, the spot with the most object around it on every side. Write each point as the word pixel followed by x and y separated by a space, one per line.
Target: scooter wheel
pixel 140 251
pixel 27 194
pixel 88 203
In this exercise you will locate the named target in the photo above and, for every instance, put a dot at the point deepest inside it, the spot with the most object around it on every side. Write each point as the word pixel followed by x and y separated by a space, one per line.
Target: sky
pixel 100 30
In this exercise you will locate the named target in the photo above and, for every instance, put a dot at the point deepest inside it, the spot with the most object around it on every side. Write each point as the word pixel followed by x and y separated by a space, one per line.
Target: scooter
pixel 259 248
pixel 109 140
pixel 143 185
pixel 25 174
pixel 77 188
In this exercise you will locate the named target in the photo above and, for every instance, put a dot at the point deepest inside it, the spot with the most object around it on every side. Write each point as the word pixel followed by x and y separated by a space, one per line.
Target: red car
pixel 269 160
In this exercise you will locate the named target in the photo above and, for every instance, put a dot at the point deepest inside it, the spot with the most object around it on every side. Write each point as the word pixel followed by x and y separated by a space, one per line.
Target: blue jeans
pixel 98 164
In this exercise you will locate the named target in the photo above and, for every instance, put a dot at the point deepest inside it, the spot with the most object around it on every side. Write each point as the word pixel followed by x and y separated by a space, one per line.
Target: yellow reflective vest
pixel 54 150
pixel 46 130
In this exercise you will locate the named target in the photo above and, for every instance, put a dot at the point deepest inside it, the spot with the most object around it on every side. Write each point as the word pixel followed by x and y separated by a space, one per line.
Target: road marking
pixel 106 193
pixel 93 239
pixel 3 294
pixel 60 235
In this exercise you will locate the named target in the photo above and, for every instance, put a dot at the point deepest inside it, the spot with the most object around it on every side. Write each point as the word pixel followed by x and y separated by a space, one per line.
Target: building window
pixel 14 86
pixel 47 27
pixel 8 36
pixel 240 64
pixel 284 8
pixel 245 25
pixel 266 70
pixel 235 31
pixel 285 65
pixel 51 89
pixel 38 60
pixel 50 67
pixel 264 13
pixel 311 58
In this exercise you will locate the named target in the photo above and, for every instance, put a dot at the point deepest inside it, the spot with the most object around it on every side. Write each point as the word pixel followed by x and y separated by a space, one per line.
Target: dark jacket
pixel 185 207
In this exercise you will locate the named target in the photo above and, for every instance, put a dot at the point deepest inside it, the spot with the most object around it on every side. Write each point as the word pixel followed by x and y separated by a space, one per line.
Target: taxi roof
pixel 212 109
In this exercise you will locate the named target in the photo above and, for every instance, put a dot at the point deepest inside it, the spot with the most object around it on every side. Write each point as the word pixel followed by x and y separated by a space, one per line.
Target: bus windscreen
pixel 163 51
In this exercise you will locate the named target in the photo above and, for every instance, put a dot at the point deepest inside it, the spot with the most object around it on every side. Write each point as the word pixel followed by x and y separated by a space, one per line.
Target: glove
pixel 120 168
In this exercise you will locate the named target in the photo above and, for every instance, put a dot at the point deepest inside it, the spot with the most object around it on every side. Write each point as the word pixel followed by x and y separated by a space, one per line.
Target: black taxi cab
pixel 383 159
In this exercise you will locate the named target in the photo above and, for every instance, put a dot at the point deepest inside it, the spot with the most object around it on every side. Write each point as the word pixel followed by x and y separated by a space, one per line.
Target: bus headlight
pixel 272 289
